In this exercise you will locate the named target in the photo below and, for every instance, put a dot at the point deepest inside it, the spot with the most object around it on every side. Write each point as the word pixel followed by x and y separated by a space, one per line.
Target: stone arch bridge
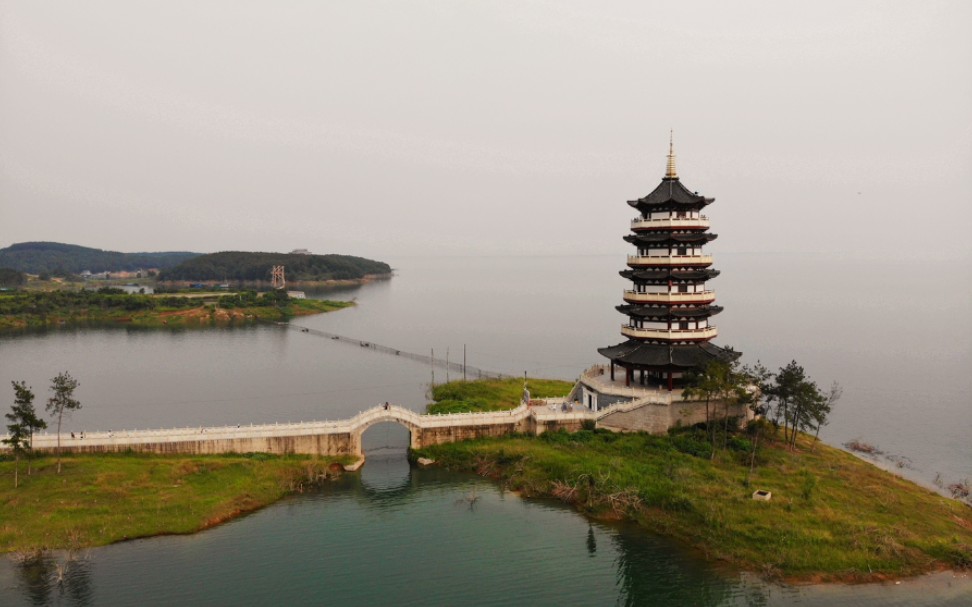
pixel 341 437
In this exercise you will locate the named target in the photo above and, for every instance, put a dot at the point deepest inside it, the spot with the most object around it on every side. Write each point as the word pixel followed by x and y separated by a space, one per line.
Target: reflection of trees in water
pixel 45 579
pixel 650 572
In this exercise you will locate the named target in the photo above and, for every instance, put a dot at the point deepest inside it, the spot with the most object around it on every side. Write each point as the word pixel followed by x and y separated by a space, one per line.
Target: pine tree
pixel 63 387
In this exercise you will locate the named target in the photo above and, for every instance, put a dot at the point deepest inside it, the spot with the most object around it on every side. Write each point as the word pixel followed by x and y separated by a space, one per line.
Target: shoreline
pixel 312 284
pixel 709 512
pixel 297 474
pixel 201 316
pixel 106 499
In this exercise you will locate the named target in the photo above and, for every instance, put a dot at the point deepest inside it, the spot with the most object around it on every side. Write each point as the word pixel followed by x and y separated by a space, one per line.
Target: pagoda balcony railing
pixel 670 260
pixel 670 334
pixel 640 223
pixel 697 297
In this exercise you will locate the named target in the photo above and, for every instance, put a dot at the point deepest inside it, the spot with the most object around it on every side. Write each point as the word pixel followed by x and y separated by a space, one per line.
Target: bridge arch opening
pixel 385 439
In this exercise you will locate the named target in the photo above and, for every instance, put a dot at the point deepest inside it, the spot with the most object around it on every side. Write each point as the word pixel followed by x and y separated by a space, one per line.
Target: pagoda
pixel 668 306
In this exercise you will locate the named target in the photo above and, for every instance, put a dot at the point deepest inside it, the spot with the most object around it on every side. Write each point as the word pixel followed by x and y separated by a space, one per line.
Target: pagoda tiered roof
pixel 670 237
pixel 670 193
pixel 646 355
pixel 666 274
pixel 668 332
pixel 650 311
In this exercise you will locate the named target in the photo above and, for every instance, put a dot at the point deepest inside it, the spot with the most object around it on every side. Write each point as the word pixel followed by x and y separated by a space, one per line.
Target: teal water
pixel 392 535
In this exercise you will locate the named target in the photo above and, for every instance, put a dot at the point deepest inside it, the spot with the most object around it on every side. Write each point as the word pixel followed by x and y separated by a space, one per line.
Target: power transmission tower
pixel 277 280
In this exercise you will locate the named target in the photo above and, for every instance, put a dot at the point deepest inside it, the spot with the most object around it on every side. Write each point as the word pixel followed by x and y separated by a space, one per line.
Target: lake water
pixel 890 332
pixel 395 536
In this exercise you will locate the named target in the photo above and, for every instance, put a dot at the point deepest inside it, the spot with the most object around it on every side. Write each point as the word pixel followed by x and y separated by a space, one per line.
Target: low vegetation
pixel 10 278
pixel 100 499
pixel 39 309
pixel 491 394
pixel 832 516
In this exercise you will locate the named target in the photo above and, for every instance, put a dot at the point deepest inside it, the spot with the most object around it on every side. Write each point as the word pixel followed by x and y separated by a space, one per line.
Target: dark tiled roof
pixel 666 274
pixel 644 311
pixel 660 237
pixel 665 356
pixel 671 192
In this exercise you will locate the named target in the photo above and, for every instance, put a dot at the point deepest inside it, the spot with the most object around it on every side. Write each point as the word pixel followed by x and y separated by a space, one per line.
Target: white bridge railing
pixel 358 423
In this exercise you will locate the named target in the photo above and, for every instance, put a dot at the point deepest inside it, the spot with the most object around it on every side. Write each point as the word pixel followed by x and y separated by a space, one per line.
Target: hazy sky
pixel 386 129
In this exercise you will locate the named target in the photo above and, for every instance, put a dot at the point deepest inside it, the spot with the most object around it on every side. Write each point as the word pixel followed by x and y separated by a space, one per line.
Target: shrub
pixel 694 443
pixel 809 484
pixel 740 444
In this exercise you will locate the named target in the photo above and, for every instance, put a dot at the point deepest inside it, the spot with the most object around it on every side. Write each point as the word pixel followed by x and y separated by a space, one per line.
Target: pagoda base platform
pixel 636 408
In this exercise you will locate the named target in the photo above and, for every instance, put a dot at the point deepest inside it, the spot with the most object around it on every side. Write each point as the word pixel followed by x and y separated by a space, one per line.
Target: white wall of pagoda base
pixel 658 418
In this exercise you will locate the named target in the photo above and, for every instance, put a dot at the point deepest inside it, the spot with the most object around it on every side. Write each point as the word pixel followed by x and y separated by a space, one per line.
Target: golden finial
pixel 670 173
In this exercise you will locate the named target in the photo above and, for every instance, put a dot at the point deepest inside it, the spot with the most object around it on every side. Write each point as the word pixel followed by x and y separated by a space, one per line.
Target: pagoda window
pixel 683 288
pixel 682 250
pixel 683 324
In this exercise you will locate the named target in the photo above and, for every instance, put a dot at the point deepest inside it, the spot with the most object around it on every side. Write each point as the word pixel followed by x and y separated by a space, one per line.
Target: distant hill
pixel 59 259
pixel 235 265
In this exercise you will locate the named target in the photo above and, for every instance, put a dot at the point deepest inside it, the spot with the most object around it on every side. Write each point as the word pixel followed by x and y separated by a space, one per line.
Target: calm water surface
pixel 395 536
pixel 902 355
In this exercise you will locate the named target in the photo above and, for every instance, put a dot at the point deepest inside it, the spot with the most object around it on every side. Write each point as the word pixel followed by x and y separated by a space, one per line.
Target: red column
pixel 669 381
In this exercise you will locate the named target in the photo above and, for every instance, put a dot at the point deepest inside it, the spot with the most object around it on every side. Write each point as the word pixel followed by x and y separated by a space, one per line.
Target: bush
pixel 809 484
pixel 740 444
pixel 693 443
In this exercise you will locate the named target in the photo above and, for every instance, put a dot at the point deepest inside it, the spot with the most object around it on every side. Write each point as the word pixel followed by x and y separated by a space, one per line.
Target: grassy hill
pixel 237 265
pixel 61 259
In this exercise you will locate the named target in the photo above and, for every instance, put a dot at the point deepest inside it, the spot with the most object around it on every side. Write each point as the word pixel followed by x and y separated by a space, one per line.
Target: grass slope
pixel 832 516
pixel 491 394
pixel 102 499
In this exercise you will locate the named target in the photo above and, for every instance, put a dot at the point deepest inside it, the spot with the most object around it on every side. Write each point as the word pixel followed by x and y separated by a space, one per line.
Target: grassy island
pixel 491 394
pixel 41 309
pixel 832 516
pixel 101 499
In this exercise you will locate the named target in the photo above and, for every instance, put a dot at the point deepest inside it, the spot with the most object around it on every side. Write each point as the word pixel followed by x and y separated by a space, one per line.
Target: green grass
pixel 100 499
pixel 491 394
pixel 832 516
pixel 204 315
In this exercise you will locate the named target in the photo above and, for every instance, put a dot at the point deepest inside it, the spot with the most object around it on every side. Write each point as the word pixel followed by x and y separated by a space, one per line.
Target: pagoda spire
pixel 670 173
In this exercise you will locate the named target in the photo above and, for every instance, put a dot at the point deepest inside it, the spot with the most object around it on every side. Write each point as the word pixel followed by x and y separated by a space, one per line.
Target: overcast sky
pixel 387 129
